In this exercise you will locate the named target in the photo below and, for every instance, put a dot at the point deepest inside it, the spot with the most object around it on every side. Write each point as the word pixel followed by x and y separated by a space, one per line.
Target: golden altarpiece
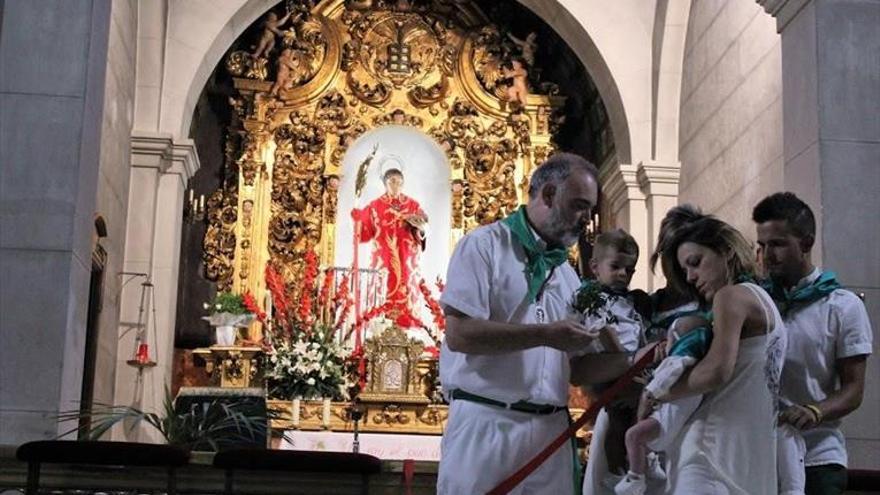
pixel 338 70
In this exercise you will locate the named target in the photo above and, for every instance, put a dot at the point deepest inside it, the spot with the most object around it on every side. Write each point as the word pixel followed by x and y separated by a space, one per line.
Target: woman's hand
pixel 647 405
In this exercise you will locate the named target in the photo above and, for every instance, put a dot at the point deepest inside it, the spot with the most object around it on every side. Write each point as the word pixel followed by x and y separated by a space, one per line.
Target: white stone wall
pixel 731 110
pixel 113 182
pixel 53 57
pixel 832 157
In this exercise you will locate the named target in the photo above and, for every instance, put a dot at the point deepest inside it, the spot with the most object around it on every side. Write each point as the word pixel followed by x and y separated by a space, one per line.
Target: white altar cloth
pixel 382 445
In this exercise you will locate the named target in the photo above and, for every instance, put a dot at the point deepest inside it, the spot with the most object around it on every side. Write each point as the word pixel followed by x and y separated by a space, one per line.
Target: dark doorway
pixel 96 294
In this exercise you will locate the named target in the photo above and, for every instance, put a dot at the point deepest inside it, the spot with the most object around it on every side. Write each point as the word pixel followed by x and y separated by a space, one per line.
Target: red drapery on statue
pixel 397 244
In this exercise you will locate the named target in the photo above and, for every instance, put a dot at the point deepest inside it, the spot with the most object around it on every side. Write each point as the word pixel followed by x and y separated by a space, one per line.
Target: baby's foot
pixel 631 484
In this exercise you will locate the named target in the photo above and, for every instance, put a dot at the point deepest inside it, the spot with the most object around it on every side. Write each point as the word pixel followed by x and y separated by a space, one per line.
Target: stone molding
pixel 620 184
pixel 658 179
pixel 161 151
pixel 783 10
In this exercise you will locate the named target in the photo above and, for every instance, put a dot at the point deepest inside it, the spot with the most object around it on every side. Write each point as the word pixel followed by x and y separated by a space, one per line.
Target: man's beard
pixel 561 232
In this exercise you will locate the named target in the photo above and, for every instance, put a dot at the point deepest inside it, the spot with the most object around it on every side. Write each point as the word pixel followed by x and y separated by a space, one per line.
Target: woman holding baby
pixel 729 443
pixel 711 404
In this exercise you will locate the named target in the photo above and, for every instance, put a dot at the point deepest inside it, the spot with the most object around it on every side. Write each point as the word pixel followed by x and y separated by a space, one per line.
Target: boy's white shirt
pixel 819 334
pixel 630 326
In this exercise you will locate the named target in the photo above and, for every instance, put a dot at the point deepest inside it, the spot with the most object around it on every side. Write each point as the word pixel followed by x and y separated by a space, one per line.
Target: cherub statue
pixel 527 47
pixel 518 89
pixel 271 28
pixel 287 64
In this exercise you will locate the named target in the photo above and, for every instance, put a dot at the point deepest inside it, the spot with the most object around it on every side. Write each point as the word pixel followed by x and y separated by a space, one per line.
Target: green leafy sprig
pixel 590 300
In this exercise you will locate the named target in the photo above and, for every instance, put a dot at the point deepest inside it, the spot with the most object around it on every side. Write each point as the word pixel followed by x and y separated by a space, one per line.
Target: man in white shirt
pixel 504 364
pixel 829 339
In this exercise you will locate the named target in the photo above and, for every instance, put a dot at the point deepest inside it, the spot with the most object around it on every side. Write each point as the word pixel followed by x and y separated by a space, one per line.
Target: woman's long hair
pixel 676 218
pixel 716 235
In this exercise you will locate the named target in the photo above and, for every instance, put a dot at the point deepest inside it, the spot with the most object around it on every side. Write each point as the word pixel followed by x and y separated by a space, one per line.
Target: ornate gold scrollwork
pixel 346 67
pixel 219 245
pixel 376 94
pixel 241 64
pixel 422 97
pixel 398 117
pixel 434 416
pixel 391 414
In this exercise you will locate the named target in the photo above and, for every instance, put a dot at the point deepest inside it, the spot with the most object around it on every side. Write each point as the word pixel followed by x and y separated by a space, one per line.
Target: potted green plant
pixel 206 426
pixel 227 312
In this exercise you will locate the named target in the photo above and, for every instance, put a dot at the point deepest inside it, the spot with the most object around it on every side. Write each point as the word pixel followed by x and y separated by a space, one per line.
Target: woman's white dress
pixel 729 444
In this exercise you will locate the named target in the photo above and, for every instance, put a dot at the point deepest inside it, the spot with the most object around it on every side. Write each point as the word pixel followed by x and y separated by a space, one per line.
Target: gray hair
pixel 556 169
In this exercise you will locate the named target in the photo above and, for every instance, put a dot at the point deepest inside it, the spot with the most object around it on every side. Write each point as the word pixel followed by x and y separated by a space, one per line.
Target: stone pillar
pixel 659 183
pixel 831 89
pixel 53 57
pixel 151 43
pixel 625 201
pixel 161 168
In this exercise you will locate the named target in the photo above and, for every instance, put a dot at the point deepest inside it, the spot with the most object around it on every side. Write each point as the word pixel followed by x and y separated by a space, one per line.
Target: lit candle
pixel 191 192
pixel 201 202
pixel 268 305
pixel 325 416
pixel 296 413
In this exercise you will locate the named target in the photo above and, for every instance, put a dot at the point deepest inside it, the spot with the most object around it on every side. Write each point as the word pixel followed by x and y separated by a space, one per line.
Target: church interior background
pixel 197 147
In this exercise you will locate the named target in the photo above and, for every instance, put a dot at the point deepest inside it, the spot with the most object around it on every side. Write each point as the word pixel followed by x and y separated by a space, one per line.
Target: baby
pixel 607 303
pixel 688 341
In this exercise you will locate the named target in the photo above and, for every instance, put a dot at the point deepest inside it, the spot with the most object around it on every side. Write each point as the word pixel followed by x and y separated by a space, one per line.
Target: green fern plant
pixel 209 427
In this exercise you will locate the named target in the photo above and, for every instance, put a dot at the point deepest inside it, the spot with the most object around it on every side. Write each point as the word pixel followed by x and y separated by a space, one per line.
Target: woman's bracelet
pixel 816 412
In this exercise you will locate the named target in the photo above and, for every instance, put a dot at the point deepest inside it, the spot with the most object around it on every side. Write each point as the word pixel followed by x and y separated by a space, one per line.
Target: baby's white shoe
pixel 631 484
pixel 655 467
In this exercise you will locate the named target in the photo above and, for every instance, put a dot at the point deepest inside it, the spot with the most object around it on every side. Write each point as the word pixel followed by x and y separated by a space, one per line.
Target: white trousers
pixel 597 463
pixel 483 445
pixel 790 452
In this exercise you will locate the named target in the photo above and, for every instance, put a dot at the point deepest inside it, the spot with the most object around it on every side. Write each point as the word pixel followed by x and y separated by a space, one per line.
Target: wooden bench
pixel 296 461
pixel 99 453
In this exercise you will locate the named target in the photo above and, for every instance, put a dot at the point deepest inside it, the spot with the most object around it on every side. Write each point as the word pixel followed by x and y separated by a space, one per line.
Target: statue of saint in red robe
pixel 395 223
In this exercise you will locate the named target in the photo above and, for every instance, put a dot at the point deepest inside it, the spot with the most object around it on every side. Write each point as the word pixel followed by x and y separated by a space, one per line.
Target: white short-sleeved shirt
pixel 819 334
pixel 630 327
pixel 486 280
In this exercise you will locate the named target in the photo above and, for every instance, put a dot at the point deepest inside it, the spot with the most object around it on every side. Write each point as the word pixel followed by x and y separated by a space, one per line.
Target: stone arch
pixel 595 58
pixel 196 58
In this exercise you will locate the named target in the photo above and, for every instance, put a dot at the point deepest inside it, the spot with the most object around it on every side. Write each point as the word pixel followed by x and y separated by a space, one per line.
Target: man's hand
pixel 660 351
pixel 567 335
pixel 609 339
pixel 798 416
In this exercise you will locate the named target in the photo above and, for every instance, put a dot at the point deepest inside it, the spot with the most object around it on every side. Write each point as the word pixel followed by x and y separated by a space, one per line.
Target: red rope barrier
pixel 606 397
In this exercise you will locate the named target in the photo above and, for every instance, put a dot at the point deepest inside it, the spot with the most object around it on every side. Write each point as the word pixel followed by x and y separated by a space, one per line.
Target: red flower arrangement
pixel 305 296
pixel 251 304
pixel 433 306
pixel 279 298
pixel 324 295
pixel 303 357
pixel 342 297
